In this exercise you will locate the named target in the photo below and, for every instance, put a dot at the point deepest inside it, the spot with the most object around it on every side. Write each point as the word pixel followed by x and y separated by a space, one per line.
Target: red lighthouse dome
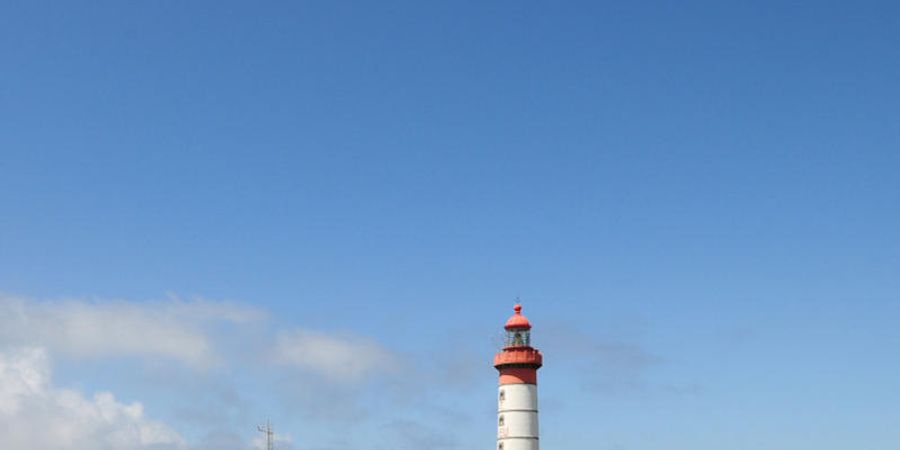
pixel 518 320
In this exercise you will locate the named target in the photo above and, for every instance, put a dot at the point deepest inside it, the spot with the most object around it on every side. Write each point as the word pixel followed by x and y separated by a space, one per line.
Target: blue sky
pixel 696 203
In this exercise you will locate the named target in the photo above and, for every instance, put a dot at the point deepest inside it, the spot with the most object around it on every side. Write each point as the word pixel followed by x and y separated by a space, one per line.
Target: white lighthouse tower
pixel 517 411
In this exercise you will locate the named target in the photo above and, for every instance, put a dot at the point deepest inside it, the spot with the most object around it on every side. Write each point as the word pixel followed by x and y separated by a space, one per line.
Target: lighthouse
pixel 517 407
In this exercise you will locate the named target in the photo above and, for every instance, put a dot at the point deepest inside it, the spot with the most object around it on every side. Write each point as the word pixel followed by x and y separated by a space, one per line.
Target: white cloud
pixel 226 338
pixel 343 359
pixel 38 416
pixel 171 328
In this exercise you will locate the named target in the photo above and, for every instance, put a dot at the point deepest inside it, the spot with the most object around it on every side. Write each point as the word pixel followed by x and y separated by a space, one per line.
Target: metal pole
pixel 270 435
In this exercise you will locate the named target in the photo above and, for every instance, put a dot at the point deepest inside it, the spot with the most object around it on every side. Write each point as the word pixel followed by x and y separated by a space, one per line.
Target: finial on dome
pixel 518 308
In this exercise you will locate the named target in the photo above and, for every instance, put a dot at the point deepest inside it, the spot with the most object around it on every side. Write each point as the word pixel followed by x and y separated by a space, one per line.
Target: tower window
pixel 502 395
pixel 500 446
pixel 500 421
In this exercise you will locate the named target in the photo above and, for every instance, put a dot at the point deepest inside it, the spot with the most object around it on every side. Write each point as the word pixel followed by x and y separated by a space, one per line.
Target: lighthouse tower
pixel 517 411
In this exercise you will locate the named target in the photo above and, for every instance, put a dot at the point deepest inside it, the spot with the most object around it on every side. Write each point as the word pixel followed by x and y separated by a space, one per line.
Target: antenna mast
pixel 270 435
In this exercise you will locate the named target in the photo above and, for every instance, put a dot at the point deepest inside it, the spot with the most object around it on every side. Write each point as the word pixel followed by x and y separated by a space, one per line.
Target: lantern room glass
pixel 518 338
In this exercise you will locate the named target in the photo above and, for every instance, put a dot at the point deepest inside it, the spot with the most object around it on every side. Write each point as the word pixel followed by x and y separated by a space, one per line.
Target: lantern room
pixel 518 330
